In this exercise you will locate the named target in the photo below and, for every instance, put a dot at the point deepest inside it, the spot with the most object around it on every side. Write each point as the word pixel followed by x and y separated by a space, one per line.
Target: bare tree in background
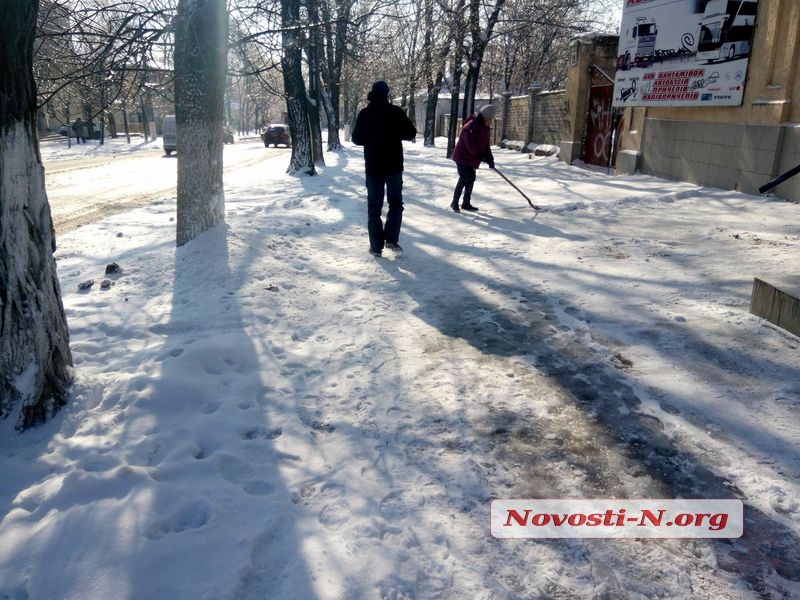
pixel 302 160
pixel 459 33
pixel 435 50
pixel 532 42
pixel 91 56
pixel 35 358
pixel 480 32
pixel 339 40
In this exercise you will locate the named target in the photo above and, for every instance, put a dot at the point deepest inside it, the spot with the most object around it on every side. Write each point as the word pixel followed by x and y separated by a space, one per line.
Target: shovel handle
pixel 533 206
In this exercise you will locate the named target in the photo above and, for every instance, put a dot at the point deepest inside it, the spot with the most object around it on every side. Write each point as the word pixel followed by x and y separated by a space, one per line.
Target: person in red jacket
pixel 472 148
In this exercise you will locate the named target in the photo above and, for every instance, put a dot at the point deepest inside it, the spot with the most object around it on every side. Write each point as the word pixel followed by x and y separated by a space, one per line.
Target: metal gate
pixel 601 142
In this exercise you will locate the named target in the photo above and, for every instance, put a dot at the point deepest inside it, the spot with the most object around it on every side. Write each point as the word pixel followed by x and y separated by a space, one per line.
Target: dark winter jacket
pixel 473 144
pixel 381 128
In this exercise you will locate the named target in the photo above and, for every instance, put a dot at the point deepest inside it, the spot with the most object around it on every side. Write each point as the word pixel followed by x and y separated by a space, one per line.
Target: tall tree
pixel 314 54
pixel 302 160
pixel 336 23
pixel 201 31
pixel 459 36
pixel 480 33
pixel 35 358
pixel 434 54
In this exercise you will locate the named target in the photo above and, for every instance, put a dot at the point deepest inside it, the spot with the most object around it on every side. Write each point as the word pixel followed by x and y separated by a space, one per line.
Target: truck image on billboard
pixel 726 30
pixel 684 52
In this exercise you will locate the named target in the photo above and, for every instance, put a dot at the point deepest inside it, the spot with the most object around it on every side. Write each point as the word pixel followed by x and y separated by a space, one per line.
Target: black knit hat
pixel 380 88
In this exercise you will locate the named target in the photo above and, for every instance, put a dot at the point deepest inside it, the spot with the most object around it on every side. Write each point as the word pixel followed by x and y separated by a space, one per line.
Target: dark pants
pixel 466 180
pixel 378 232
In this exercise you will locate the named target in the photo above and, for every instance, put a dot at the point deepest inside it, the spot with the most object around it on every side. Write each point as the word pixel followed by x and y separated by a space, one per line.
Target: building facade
pixel 740 147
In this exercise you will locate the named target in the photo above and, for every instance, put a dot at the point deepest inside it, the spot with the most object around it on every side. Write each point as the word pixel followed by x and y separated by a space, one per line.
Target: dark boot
pixel 469 207
pixel 454 205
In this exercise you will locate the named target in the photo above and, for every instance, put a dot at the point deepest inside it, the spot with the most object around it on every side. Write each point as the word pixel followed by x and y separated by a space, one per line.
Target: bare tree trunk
pixel 35 358
pixel 459 35
pixel 430 109
pixel 335 49
pixel 433 82
pixel 455 91
pixel 200 70
pixel 296 102
pixel 314 122
pixel 480 39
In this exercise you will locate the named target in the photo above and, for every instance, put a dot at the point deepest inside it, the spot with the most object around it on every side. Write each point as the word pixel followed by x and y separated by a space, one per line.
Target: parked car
pixel 169 133
pixel 227 135
pixel 276 133
pixel 66 130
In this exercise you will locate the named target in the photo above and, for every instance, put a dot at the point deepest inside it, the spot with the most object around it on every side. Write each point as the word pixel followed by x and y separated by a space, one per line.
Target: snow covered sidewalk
pixel 270 412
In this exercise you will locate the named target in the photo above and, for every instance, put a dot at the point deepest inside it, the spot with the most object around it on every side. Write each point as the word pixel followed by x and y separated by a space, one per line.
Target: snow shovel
pixel 779 179
pixel 533 206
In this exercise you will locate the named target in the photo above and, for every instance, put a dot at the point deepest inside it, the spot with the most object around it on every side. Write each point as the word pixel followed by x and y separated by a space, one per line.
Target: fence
pixel 544 125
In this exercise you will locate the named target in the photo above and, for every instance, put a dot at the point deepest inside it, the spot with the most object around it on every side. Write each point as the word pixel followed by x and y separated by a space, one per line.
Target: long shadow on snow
pixel 598 392
pixel 607 400
pixel 234 443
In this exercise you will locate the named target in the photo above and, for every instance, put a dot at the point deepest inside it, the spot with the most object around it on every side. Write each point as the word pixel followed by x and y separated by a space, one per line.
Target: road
pixel 90 186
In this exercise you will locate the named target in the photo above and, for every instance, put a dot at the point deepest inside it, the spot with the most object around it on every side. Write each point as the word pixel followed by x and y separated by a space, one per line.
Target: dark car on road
pixel 277 133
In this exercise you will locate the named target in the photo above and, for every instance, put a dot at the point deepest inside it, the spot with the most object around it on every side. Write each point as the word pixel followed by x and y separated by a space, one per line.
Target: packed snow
pixel 269 412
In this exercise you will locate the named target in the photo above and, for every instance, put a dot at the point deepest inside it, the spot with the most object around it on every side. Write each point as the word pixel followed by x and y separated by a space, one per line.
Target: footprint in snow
pixel 244 475
pixel 190 516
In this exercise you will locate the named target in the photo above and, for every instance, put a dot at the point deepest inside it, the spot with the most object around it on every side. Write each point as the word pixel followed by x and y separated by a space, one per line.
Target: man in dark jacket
pixel 472 148
pixel 381 129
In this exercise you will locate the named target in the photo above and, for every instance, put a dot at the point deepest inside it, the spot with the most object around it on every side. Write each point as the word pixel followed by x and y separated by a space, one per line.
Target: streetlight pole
pixel 144 118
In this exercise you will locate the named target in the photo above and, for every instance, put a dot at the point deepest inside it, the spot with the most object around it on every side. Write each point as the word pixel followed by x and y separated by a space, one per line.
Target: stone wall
pixel 548 119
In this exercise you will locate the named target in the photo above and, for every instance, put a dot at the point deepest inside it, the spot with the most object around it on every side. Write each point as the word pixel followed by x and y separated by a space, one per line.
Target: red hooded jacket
pixel 473 144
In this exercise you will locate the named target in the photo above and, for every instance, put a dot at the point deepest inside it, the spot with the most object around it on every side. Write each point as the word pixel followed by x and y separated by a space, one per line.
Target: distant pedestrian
pixel 81 131
pixel 381 128
pixel 472 148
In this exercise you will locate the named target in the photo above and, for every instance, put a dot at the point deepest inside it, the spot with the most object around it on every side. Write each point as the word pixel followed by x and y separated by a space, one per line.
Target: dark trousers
pixel 466 180
pixel 378 232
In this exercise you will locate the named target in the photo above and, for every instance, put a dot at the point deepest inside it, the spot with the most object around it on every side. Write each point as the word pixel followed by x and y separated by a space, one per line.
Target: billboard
pixel 684 52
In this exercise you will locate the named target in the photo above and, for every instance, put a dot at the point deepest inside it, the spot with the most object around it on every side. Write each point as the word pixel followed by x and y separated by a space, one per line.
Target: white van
pixel 168 131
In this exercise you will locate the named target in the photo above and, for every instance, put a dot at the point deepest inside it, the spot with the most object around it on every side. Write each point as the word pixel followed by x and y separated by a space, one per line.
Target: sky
pixel 270 412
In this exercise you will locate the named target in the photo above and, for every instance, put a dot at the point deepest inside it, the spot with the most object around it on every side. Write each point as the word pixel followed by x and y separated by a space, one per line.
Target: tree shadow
pixel 159 469
pixel 237 461
pixel 596 433
pixel 627 453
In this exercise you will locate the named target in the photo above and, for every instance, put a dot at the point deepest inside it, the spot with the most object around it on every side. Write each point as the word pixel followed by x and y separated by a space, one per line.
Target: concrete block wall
pixel 777 304
pixel 548 122
pixel 789 158
pixel 724 155
pixel 550 119
pixel 517 129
